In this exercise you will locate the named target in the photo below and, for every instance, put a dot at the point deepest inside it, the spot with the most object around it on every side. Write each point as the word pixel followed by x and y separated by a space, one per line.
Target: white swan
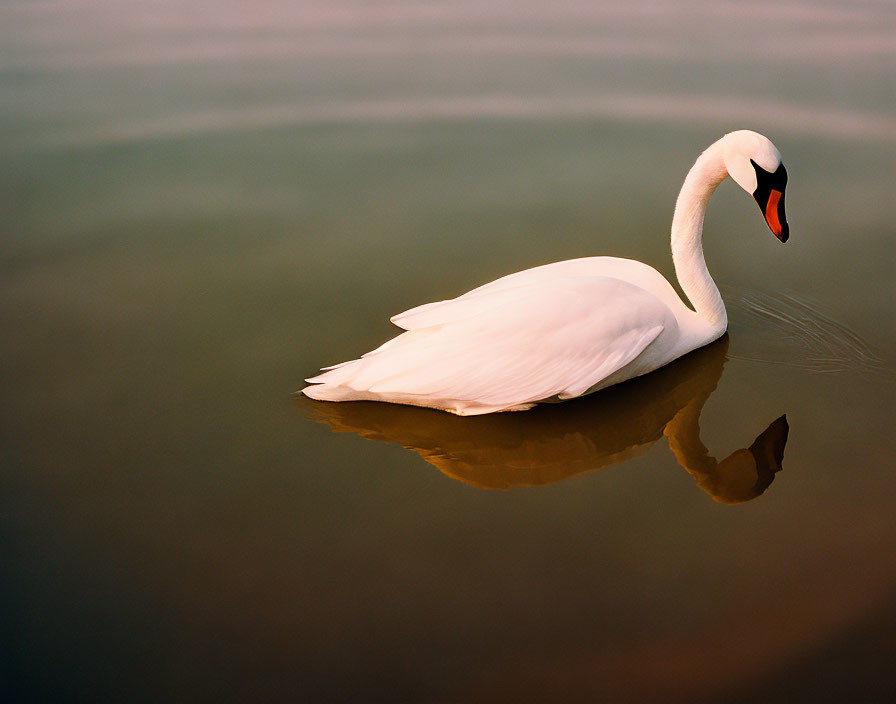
pixel 567 329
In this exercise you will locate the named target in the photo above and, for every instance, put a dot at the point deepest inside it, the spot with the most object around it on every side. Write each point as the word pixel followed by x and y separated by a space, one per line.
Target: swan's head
pixel 755 165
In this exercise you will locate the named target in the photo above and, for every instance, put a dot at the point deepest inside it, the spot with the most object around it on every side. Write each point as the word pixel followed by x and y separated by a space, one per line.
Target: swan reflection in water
pixel 554 442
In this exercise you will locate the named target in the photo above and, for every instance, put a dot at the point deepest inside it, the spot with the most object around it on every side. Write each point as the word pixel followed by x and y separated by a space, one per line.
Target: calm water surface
pixel 203 204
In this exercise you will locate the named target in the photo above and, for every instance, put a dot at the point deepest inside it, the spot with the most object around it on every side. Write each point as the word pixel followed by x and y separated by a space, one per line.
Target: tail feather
pixel 325 392
pixel 335 375
pixel 335 366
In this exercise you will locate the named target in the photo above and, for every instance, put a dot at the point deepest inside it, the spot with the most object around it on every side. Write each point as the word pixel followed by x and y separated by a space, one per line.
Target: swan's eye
pixel 769 180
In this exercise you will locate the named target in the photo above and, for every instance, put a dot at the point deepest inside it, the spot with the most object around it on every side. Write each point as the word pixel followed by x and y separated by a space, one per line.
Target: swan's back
pixel 628 270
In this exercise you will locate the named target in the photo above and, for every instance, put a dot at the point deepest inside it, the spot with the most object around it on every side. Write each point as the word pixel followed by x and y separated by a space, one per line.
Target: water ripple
pixel 782 328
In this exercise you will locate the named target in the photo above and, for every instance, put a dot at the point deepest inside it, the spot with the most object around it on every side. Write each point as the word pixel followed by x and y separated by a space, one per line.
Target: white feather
pixel 524 345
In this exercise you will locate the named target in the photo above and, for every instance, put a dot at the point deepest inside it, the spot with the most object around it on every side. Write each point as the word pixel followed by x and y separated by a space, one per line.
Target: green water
pixel 203 205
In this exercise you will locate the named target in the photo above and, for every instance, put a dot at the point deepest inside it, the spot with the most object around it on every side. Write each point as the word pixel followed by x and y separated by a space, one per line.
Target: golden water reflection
pixel 554 442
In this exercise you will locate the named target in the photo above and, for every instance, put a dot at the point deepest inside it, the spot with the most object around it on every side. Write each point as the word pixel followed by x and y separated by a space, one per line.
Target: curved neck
pixel 687 236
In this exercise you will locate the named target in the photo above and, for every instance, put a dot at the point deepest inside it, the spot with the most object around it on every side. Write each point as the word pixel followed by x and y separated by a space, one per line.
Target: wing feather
pixel 511 345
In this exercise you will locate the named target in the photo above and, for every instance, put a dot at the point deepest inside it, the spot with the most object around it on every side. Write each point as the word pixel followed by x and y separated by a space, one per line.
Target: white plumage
pixel 561 330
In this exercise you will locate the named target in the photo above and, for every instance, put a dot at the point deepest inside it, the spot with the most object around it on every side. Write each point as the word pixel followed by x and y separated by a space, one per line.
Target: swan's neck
pixel 687 237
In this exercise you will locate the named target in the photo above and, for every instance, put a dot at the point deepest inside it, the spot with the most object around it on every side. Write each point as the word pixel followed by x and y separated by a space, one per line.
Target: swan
pixel 563 330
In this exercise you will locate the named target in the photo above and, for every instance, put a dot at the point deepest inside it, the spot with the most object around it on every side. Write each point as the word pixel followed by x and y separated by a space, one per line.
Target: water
pixel 204 204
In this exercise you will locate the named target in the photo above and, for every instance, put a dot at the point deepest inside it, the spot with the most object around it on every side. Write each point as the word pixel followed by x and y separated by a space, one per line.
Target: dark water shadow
pixel 551 443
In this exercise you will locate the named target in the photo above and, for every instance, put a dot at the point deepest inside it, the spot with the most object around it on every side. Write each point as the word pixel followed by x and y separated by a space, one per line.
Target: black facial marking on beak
pixel 769 194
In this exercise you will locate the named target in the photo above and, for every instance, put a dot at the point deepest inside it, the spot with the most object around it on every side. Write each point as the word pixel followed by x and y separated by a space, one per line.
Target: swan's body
pixel 563 330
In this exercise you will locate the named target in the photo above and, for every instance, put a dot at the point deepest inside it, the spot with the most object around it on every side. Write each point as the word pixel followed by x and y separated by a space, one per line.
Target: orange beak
pixel 774 215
